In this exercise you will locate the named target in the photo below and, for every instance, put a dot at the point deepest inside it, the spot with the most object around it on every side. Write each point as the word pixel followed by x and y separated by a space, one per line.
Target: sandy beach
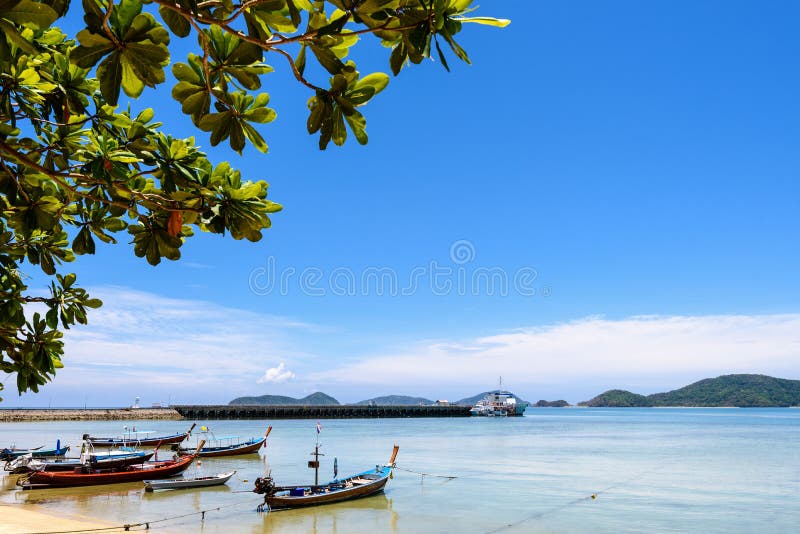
pixel 28 518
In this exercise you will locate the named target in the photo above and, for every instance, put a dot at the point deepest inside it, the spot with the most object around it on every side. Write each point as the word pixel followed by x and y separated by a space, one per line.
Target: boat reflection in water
pixel 371 514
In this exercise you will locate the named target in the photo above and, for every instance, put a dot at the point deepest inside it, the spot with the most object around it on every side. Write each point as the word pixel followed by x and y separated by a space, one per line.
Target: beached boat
pixel 140 438
pixel 97 460
pixel 353 487
pixel 89 476
pixel 228 446
pixel 37 452
pixel 183 483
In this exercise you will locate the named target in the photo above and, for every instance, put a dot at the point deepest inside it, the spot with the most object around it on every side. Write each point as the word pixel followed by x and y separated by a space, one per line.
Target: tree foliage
pixel 76 167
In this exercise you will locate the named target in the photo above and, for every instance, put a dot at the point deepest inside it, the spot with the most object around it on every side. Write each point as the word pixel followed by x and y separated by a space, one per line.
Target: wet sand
pixel 28 518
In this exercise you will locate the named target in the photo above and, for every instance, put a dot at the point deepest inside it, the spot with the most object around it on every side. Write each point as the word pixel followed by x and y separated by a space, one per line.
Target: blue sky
pixel 641 158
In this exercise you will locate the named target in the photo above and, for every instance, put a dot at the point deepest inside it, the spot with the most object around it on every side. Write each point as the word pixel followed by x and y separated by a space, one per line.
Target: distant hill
pixel 734 390
pixel 475 398
pixel 744 391
pixel 618 398
pixel 397 400
pixel 315 399
pixel 552 404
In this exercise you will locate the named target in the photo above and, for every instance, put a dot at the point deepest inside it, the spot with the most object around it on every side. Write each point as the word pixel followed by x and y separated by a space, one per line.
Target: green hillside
pixel 743 391
pixel 618 398
pixel 397 400
pixel 552 404
pixel 734 390
pixel 315 399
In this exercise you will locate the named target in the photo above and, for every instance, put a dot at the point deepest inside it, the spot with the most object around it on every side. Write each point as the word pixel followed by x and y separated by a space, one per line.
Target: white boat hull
pixel 184 483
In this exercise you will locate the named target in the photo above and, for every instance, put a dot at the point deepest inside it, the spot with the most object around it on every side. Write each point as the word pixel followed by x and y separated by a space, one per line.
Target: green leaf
pixel 486 21
pixel 398 58
pixel 123 14
pixel 92 49
pixel 175 22
pixel 254 137
pixel 31 14
pixel 13 35
pixel 327 59
pixel 300 60
pixel 441 56
pixel 83 242
pixel 109 72
pixel 261 115
pixel 358 126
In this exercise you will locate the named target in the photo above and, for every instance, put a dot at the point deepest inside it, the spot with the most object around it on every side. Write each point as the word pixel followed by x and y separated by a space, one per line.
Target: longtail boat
pixel 216 447
pixel 183 483
pixel 353 487
pixel 37 452
pixel 89 476
pixel 140 438
pixel 97 460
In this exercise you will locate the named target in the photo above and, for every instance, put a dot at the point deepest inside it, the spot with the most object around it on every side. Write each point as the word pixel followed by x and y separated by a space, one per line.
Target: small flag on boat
pixel 319 427
pixel 335 468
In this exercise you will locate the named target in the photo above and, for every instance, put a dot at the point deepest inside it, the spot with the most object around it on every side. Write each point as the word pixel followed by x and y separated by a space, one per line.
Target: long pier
pixel 342 411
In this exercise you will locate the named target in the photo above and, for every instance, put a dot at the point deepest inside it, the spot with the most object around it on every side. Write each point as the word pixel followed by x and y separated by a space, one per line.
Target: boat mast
pixel 314 464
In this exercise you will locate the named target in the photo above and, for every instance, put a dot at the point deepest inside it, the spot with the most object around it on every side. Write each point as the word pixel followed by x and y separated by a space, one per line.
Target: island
pixel 552 404
pixel 315 399
pixel 738 390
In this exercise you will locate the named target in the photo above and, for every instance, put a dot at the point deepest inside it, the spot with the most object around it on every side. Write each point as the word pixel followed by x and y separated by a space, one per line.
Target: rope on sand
pixel 145 524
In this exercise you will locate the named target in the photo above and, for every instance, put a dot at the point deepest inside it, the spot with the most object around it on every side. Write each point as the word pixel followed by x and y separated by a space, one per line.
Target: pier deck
pixel 344 411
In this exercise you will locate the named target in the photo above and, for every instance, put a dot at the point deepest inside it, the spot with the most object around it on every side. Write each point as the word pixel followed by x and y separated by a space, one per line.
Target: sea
pixel 701 470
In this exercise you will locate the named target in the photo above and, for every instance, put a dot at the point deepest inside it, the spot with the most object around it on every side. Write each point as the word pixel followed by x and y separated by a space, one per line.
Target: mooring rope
pixel 449 477
pixel 579 500
pixel 146 524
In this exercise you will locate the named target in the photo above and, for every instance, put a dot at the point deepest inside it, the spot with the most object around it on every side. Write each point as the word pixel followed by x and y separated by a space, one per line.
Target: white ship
pixel 499 403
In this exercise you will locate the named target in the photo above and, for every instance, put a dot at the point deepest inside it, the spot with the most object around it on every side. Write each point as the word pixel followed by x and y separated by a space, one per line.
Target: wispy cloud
pixel 276 375
pixel 193 351
pixel 139 343
pixel 595 352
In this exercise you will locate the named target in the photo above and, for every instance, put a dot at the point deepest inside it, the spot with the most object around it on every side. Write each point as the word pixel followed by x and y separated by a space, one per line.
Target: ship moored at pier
pixel 499 403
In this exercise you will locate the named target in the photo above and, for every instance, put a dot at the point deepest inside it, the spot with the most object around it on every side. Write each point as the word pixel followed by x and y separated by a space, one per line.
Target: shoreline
pixel 21 415
pixel 28 518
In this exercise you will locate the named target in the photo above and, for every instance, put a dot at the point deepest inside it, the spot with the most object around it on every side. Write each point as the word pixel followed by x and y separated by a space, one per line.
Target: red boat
pixel 86 476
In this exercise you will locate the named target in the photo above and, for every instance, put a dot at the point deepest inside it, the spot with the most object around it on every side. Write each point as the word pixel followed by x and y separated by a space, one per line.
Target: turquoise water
pixel 651 470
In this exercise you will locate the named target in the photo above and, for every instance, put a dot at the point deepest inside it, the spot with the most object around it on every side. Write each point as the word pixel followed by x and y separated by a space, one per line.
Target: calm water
pixel 652 470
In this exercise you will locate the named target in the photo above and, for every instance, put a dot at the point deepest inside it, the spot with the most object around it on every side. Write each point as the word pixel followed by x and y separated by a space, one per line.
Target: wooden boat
pixel 182 483
pixel 140 439
pixel 215 447
pixel 353 487
pixel 88 476
pixel 37 452
pixel 105 460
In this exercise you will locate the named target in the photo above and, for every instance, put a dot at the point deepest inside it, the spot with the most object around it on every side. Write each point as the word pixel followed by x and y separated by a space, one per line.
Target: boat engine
pixel 264 485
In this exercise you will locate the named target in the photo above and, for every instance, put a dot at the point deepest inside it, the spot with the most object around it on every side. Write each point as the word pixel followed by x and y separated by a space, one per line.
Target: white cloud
pixel 163 348
pixel 193 351
pixel 594 351
pixel 276 375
